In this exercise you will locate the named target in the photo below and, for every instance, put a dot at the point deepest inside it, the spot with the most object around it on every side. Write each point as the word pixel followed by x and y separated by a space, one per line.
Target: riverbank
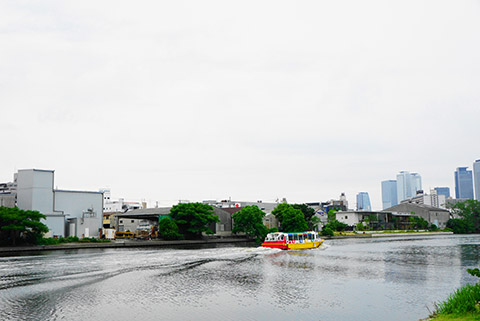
pixel 158 243
pixel 399 234
pixel 120 244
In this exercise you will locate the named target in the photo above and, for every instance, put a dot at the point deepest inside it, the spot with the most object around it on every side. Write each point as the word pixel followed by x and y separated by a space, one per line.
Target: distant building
pixel 266 207
pixel 375 220
pixel 120 205
pixel 270 221
pixel 463 183
pixel 131 220
pixel 389 193
pixel 432 215
pixel 7 200
pixel 476 178
pixel 432 199
pixel 338 205
pixel 68 213
pixel 8 188
pixel 407 185
pixel 450 202
pixel 443 191
pixel 8 194
pixel 363 202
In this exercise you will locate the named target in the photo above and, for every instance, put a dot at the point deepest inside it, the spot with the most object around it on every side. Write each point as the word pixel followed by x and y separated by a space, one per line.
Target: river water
pixel 349 279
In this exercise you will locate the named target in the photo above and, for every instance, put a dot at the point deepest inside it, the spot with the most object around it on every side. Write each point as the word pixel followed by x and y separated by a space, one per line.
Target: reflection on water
pixel 348 279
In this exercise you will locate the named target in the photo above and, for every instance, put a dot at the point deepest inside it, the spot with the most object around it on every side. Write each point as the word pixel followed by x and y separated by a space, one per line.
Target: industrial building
pixel 68 213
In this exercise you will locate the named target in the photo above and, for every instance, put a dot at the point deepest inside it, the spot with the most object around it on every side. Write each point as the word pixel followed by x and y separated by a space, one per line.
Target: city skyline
pixel 253 100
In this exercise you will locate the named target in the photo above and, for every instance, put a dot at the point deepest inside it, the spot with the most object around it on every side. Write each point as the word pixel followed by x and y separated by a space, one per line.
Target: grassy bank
pixel 456 318
pixel 389 232
pixel 463 304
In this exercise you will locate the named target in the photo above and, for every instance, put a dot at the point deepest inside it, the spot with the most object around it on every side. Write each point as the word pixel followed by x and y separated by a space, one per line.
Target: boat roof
pixel 306 232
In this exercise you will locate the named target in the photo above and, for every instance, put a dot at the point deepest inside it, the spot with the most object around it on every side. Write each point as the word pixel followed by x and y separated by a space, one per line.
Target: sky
pixel 248 100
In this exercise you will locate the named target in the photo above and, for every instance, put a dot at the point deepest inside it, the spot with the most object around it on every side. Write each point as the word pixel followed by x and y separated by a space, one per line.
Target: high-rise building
pixel 389 193
pixel 476 178
pixel 463 183
pixel 363 202
pixel 407 185
pixel 443 191
pixel 416 183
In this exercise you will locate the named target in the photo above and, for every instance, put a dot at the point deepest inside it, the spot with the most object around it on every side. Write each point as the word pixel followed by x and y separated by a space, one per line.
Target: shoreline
pixel 372 235
pixel 118 244
pixel 158 243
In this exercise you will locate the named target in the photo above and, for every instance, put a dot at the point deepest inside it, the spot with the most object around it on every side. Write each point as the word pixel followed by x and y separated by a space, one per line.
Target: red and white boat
pixel 293 241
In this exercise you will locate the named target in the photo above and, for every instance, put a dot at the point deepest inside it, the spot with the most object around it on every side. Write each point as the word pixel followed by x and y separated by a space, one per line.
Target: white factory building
pixel 69 213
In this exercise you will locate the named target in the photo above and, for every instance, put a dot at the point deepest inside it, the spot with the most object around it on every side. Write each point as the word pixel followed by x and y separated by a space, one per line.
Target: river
pixel 394 278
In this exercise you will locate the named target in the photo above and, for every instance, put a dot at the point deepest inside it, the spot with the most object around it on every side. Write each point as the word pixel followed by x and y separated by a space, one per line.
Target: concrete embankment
pixel 121 244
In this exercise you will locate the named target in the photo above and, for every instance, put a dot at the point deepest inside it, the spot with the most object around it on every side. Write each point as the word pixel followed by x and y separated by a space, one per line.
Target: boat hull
pixel 304 246
pixel 292 246
pixel 276 245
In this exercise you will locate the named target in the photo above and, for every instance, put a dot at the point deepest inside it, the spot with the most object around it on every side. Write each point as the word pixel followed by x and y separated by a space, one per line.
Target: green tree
pixel 327 231
pixel 17 226
pixel 332 222
pixel 280 210
pixel 308 214
pixel 249 220
pixel 294 221
pixel 168 229
pixel 291 219
pixel 336 225
pixel 331 215
pixel 418 222
pixel 460 226
pixel 193 218
pixel 470 212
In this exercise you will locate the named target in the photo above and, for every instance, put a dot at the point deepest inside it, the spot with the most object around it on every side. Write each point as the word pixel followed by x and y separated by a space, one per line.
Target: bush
pixel 335 225
pixel 327 231
pixel 360 227
pixel 48 241
pixel 460 226
pixel 433 228
pixel 70 239
pixel 168 229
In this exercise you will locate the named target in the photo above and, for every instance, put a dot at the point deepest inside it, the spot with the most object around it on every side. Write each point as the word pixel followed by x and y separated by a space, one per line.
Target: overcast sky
pixel 195 100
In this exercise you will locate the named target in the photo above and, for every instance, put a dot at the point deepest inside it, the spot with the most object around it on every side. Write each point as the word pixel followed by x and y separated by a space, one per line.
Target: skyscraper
pixel 476 178
pixel 363 202
pixel 443 191
pixel 407 185
pixel 416 183
pixel 463 183
pixel 389 193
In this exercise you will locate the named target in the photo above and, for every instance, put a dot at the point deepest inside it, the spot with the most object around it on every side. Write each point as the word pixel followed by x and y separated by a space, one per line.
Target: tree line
pixel 191 220
pixel 467 217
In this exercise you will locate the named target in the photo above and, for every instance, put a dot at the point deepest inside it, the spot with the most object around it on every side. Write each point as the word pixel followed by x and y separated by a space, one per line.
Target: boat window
pixel 281 237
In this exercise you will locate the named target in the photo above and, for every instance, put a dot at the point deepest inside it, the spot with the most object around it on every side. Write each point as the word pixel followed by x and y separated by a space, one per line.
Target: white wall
pixel 349 218
pixel 74 203
pixel 35 190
